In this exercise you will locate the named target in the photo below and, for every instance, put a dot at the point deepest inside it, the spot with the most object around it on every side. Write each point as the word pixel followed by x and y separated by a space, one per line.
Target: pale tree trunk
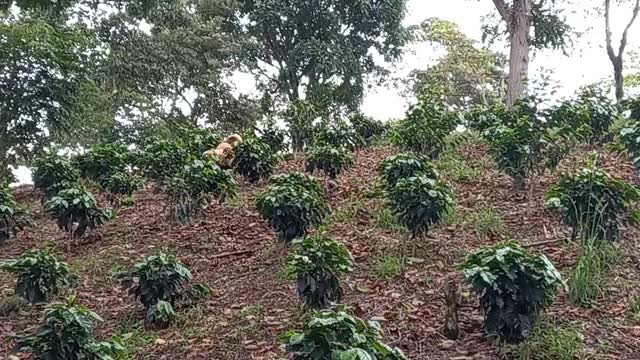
pixel 518 20
pixel 617 59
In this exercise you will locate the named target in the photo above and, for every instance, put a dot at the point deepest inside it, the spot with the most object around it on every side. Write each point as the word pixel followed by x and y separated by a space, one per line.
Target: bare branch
pixel 623 41
pixel 607 18
pixel 504 10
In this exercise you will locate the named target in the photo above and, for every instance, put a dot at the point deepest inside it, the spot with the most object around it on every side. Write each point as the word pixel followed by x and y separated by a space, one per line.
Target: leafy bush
pixel 329 335
pixel 76 205
pixel 404 166
pixel 420 202
pixel 52 173
pixel 291 209
pixel 513 286
pixel 589 116
pixel 317 264
pixel 298 179
pixel 162 278
pixel 254 159
pixel 102 161
pixel 196 185
pixel 633 105
pixel 483 117
pixel 39 275
pixel 367 128
pixel 592 203
pixel 337 134
pixel 425 128
pixel 299 116
pixel 332 161
pixel 13 217
pixel 488 224
pixel 122 183
pixel 274 138
pixel 67 334
pixel 629 138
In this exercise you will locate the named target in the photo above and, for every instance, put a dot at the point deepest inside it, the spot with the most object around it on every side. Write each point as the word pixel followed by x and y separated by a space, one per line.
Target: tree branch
pixel 504 10
pixel 607 16
pixel 623 41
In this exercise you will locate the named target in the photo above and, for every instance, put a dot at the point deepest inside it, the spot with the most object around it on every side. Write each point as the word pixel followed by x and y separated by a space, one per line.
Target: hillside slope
pixel 232 249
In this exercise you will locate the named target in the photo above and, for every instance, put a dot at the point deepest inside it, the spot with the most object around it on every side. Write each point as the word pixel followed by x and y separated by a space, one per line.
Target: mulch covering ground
pixel 232 249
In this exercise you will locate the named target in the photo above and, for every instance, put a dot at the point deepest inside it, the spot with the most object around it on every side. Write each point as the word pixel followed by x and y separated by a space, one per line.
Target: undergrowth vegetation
pixel 13 217
pixel 330 160
pixel 76 210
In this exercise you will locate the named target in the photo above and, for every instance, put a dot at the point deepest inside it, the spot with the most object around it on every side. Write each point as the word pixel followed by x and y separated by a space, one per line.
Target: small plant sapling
pixel 332 161
pixel 39 275
pixel 329 335
pixel 77 205
pixel 513 285
pixel 592 203
pixel 67 334
pixel 317 263
pixel 404 166
pixel 254 159
pixel 13 217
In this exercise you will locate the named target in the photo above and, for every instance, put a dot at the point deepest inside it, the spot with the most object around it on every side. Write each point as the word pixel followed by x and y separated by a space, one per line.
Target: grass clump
pixel 552 341
pixel 388 267
pixel 487 224
pixel 588 280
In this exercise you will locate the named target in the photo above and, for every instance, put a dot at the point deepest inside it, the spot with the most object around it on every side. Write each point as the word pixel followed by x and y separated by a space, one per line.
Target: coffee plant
pixel 298 179
pixel 13 217
pixel 633 106
pixel 102 161
pixel 404 166
pixel 291 209
pixel 420 202
pixel 592 203
pixel 274 138
pixel 299 117
pixel 122 184
pixel 337 134
pixel 329 335
pixel 254 159
pixel 483 117
pixel 425 128
pixel 317 263
pixel 332 161
pixel 52 173
pixel 513 286
pixel 67 334
pixel 196 185
pixel 40 276
pixel 162 278
pixel 368 129
pixel 76 210
pixel 629 138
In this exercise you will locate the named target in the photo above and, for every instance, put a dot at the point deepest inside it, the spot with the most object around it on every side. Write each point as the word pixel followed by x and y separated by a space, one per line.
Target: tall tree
pixel 466 74
pixel 617 58
pixel 529 23
pixel 323 47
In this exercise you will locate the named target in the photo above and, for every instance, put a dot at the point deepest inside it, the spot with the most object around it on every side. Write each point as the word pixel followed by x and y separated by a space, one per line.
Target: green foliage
pixel 425 128
pixel 404 166
pixel 122 183
pixel 385 218
pixel 332 161
pixel 102 161
pixel 274 138
pixel 52 173
pixel 291 208
pixel 311 48
pixel 254 159
pixel 513 286
pixel 553 341
pixel 629 137
pixel 367 128
pixel 299 116
pixel 329 335
pixel 590 277
pixel 67 334
pixel 161 282
pixel 592 203
pixel 420 202
pixel 44 66
pixel 587 117
pixel 76 205
pixel 388 267
pixel 488 223
pixel 40 276
pixel 195 186
pixel 337 134
pixel 317 263
pixel 453 166
pixel 13 217
pixel 633 105
pixel 298 179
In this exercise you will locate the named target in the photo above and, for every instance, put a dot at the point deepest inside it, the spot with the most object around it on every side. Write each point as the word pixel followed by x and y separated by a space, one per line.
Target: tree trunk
pixel 519 27
pixel 619 78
